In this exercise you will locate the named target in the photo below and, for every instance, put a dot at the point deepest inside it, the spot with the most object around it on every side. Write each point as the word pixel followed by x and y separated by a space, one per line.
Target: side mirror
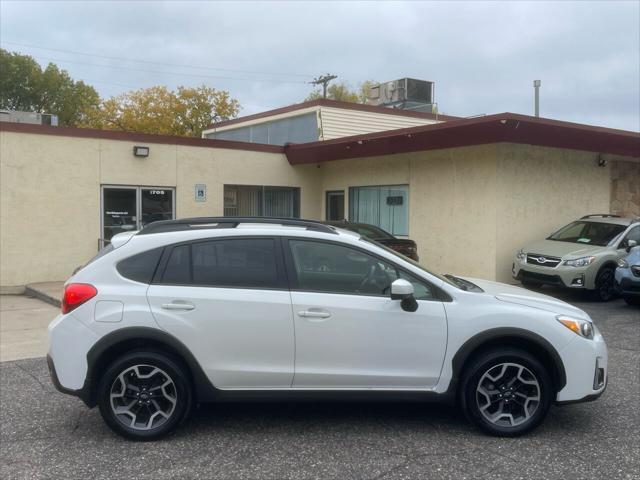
pixel 403 290
pixel 631 244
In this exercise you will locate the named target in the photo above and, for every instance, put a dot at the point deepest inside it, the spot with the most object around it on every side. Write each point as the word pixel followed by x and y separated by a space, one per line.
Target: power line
pixel 150 62
pixel 165 72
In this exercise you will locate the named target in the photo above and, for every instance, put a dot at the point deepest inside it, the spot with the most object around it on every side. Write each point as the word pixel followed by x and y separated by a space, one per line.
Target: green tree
pixel 25 86
pixel 184 112
pixel 342 91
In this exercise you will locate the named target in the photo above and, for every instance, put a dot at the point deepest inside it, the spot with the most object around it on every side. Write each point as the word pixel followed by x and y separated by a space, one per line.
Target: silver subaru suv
pixel 582 255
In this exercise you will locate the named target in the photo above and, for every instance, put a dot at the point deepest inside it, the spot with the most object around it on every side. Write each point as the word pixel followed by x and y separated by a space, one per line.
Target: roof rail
pixel 600 215
pixel 198 223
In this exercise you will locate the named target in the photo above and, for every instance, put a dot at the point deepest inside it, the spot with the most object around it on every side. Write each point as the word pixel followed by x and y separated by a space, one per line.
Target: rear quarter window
pixel 140 267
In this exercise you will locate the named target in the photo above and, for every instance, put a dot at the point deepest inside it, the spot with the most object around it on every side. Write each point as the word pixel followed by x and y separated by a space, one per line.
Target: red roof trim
pixel 335 104
pixel 136 137
pixel 504 127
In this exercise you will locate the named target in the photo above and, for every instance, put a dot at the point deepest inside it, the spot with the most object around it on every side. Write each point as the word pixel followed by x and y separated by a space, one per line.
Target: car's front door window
pixel 327 267
pixel 633 234
pixel 331 268
pixel 421 290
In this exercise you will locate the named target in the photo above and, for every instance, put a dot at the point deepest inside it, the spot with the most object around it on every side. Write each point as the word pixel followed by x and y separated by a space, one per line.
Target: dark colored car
pixel 404 246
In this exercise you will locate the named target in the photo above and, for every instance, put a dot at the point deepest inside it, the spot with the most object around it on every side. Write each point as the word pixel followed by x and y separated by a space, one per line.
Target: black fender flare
pixel 130 336
pixel 508 334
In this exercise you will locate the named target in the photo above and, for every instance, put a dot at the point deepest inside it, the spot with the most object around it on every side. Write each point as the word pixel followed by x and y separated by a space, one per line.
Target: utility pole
pixel 536 86
pixel 324 81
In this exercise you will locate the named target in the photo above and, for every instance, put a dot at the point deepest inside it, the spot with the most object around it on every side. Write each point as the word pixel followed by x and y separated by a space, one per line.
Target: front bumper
pixel 586 366
pixel 627 285
pixel 561 276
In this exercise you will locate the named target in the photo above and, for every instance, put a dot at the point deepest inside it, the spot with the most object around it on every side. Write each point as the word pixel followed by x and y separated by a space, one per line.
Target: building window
pixel 384 206
pixel 298 129
pixel 261 201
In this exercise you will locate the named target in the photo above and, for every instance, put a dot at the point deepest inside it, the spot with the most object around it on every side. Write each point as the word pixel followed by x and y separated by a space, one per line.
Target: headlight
pixel 521 255
pixel 622 263
pixel 584 328
pixel 580 262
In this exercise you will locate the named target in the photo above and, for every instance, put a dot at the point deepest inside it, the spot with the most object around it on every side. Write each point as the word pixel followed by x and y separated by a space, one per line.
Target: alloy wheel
pixel 143 397
pixel 508 394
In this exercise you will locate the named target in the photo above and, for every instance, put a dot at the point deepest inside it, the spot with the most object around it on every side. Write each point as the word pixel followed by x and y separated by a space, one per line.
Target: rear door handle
pixel 177 305
pixel 313 314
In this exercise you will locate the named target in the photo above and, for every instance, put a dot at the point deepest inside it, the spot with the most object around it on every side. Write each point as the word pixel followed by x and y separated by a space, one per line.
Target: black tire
pixel 167 369
pixel 492 361
pixel 634 301
pixel 605 286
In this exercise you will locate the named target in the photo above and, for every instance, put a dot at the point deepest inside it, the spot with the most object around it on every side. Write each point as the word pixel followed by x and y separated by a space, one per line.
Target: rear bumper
pixel 83 393
pixel 69 342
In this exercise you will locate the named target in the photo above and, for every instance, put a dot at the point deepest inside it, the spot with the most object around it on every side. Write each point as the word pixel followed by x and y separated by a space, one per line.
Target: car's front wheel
pixel 605 286
pixel 144 395
pixel 506 392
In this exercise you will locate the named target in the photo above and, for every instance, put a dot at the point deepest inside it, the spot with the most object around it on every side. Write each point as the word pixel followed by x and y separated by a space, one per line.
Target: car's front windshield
pixel 444 278
pixel 589 233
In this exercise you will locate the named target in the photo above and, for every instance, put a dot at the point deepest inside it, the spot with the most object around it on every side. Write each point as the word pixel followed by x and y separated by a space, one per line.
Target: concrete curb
pixel 34 291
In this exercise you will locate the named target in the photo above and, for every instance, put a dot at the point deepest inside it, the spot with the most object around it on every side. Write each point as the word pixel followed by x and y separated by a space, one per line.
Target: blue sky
pixel 483 56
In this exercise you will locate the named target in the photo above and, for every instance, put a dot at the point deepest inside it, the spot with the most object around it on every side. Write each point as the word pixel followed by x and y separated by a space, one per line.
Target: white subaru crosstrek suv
pixel 209 309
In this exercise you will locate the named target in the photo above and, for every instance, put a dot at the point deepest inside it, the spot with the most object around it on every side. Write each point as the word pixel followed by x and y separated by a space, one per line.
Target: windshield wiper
pixel 458 281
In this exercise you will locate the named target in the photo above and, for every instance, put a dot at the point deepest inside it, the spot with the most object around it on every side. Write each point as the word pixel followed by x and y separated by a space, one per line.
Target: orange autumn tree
pixel 186 111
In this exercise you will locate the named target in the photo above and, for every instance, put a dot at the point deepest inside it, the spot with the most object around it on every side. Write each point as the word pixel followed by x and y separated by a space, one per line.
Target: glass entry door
pixel 156 204
pixel 125 209
pixel 119 211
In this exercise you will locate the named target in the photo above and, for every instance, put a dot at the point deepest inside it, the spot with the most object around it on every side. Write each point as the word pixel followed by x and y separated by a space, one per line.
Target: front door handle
pixel 178 306
pixel 314 314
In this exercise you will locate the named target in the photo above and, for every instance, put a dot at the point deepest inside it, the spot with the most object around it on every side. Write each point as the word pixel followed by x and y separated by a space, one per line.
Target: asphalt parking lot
pixel 44 434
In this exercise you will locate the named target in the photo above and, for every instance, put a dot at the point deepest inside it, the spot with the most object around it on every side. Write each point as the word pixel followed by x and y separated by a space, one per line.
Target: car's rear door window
pixel 235 263
pixel 178 269
pixel 232 262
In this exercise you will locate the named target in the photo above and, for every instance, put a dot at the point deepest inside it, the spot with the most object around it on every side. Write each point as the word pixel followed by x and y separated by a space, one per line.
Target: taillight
pixel 75 294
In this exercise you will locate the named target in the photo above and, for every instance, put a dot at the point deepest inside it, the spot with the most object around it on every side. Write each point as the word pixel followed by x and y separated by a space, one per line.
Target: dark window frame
pixel 327 195
pixel 282 282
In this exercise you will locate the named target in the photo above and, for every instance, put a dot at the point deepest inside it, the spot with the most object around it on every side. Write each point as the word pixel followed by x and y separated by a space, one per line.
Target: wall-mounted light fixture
pixel 602 162
pixel 139 151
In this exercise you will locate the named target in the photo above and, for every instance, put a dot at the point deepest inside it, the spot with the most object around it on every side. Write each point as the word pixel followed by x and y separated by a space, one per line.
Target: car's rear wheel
pixel 144 395
pixel 605 286
pixel 506 392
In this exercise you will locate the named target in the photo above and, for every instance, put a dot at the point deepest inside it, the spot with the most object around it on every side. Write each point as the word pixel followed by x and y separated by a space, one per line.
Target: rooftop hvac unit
pixel 400 92
pixel 34 118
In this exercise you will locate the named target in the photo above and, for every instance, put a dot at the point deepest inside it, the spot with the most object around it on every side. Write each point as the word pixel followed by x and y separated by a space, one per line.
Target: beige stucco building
pixel 469 192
